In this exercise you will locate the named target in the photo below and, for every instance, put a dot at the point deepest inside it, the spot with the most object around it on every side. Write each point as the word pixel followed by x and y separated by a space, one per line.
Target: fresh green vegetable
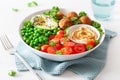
pixel 88 47
pixel 12 73
pixel 97 26
pixel 75 20
pixel 52 43
pixel 53 13
pixel 59 52
pixel 15 9
pixel 82 13
pixel 34 36
pixel 33 3
pixel 96 42
pixel 27 23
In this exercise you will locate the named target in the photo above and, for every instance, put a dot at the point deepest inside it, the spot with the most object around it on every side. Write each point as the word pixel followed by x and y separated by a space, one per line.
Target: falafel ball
pixel 65 22
pixel 72 14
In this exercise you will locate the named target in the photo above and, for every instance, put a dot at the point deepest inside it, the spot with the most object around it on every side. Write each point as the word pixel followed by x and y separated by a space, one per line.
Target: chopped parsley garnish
pixel 15 9
pixel 32 4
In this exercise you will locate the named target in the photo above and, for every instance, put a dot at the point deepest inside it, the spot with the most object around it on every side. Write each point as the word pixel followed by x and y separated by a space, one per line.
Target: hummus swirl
pixel 83 34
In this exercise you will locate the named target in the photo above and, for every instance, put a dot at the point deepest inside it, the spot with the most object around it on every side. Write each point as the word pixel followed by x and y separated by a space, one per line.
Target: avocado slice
pixel 43 21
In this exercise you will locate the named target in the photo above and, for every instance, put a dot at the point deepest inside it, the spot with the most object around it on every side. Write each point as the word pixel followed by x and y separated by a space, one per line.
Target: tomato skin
pixel 44 48
pixel 61 32
pixel 58 46
pixel 63 40
pixel 51 50
pixel 59 36
pixel 78 48
pixel 55 40
pixel 69 44
pixel 51 37
pixel 91 42
pixel 66 50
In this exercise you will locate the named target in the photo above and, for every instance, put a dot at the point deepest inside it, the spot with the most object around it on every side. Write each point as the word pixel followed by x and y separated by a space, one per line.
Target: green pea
pixel 46 34
pixel 23 34
pixel 46 42
pixel 26 34
pixel 36 47
pixel 45 38
pixel 49 32
pixel 40 39
pixel 27 41
pixel 24 38
pixel 31 44
pixel 55 30
pixel 37 34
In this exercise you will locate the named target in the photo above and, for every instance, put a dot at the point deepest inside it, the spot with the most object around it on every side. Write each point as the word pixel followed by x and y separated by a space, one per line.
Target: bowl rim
pixel 54 55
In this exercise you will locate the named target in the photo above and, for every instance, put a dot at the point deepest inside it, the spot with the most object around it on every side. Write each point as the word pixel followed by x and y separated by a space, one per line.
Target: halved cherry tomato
pixel 55 40
pixel 91 42
pixel 51 50
pixel 69 44
pixel 44 48
pixel 61 32
pixel 58 46
pixel 51 37
pixel 64 39
pixel 66 50
pixel 78 48
pixel 59 36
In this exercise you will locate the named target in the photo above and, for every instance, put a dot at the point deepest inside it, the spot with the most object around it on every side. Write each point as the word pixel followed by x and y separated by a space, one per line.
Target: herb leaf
pixel 32 4
pixel 15 9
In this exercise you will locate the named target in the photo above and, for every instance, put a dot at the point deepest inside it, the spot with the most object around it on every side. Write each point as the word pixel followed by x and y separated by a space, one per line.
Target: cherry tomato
pixel 51 50
pixel 64 39
pixel 44 48
pixel 66 50
pixel 69 44
pixel 61 32
pixel 78 48
pixel 91 42
pixel 55 40
pixel 51 37
pixel 58 46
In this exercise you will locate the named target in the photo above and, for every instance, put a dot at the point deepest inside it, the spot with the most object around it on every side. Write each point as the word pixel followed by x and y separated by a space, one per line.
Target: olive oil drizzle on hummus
pixel 83 34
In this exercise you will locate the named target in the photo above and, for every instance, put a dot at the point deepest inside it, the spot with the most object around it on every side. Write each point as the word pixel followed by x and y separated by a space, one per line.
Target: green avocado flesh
pixel 45 22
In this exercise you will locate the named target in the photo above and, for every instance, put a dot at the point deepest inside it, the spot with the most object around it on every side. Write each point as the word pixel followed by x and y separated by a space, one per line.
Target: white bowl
pixel 53 56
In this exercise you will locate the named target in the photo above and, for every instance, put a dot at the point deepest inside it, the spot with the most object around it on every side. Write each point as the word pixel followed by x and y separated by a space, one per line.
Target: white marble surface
pixel 9 24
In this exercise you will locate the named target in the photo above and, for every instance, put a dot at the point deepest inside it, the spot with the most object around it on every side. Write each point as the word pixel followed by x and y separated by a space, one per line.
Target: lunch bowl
pixel 55 57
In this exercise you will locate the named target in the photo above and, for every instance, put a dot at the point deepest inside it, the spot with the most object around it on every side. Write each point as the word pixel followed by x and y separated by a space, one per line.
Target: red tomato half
pixel 51 50
pixel 66 50
pixel 55 40
pixel 58 46
pixel 78 48
pixel 44 48
pixel 61 32
pixel 91 42
pixel 51 37
pixel 64 39
pixel 69 44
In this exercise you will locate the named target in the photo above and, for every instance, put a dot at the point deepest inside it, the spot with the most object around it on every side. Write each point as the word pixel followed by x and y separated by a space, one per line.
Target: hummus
pixel 83 34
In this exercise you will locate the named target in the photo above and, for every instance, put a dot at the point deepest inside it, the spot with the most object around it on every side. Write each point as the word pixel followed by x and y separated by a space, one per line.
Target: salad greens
pixel 82 13
pixel 53 13
pixel 15 9
pixel 31 4
pixel 97 26
pixel 12 73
